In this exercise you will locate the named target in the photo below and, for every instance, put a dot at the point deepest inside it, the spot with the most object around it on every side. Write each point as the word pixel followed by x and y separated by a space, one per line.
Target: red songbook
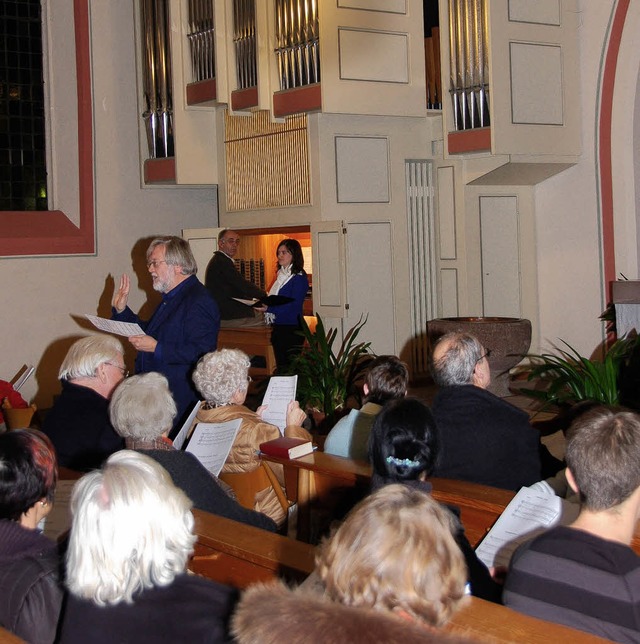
pixel 284 447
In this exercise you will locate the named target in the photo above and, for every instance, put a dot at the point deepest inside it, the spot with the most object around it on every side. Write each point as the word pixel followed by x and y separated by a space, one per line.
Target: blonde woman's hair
pixel 395 551
pixel 132 529
pixel 219 374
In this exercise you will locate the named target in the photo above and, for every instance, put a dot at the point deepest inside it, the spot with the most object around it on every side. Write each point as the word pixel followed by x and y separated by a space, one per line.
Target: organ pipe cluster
pixel 201 39
pixel 156 77
pixel 244 38
pixel 297 42
pixel 469 82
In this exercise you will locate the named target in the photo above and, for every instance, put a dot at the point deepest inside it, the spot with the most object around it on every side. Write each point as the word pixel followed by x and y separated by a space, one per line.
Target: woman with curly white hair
pixel 222 377
pixel 131 538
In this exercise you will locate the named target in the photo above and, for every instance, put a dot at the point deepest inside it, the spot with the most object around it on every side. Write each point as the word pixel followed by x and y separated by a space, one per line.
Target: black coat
pixel 30 590
pixel 79 428
pixel 484 439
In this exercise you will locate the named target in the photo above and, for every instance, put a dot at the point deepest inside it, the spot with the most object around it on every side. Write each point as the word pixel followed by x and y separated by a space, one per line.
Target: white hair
pixel 132 529
pixel 218 375
pixel 87 354
pixel 458 361
pixel 142 407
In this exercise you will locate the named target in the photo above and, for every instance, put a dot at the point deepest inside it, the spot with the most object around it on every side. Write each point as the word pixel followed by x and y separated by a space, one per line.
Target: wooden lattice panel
pixel 267 164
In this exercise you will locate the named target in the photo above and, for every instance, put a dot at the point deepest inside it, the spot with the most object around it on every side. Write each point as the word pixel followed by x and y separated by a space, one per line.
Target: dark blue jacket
pixel 186 325
pixel 291 312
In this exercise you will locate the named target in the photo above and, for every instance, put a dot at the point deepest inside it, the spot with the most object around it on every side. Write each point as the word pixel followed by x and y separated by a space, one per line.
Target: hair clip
pixel 407 462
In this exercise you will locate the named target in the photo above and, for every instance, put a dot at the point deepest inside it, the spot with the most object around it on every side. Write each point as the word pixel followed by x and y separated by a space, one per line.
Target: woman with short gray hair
pixel 131 538
pixel 222 377
pixel 142 411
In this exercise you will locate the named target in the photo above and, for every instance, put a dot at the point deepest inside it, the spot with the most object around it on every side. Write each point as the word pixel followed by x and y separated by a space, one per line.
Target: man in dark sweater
pixel 585 575
pixel 225 282
pixel 78 423
pixel 483 438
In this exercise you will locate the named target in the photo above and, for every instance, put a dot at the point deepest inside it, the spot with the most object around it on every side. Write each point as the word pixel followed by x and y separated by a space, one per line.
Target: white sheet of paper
pixel 530 512
pixel 247 302
pixel 113 326
pixel 211 443
pixel 280 392
pixel 58 521
pixel 178 441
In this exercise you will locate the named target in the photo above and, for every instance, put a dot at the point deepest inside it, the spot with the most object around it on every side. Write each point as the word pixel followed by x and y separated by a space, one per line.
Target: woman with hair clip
pixel 292 282
pixel 31 594
pixel 403 449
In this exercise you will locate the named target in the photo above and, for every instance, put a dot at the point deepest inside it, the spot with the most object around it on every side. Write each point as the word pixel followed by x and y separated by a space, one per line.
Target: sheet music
pixel 211 443
pixel 24 375
pixel 280 392
pixel 529 513
pixel 58 521
pixel 113 326
pixel 179 440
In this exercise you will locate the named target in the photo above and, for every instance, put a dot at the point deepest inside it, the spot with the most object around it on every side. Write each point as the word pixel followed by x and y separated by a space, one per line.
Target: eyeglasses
pixel 486 354
pixel 123 370
pixel 155 262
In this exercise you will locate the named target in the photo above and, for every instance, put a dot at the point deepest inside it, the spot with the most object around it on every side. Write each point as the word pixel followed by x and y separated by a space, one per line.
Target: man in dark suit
pixel 182 329
pixel 225 282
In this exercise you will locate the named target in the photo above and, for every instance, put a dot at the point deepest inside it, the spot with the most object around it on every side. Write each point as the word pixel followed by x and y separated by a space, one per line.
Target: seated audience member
pixel 142 411
pixel 403 449
pixel 222 377
pixel 392 572
pixel 13 399
pixel 585 575
pixel 78 423
pixel 387 378
pixel 131 538
pixel 483 439
pixel 30 592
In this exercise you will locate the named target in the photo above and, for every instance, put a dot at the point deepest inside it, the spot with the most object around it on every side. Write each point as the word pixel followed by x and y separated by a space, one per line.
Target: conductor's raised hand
pixel 295 415
pixel 121 296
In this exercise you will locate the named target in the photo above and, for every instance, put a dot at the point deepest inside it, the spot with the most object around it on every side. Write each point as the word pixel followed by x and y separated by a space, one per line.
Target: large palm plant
pixel 570 378
pixel 327 378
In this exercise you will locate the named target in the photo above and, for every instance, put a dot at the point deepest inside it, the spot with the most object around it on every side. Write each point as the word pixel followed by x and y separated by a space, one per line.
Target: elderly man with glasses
pixel 184 326
pixel 484 439
pixel 78 423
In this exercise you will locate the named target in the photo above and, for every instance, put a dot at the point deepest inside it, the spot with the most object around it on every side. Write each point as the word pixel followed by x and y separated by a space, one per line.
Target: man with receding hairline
pixel 586 575
pixel 225 282
pixel 483 439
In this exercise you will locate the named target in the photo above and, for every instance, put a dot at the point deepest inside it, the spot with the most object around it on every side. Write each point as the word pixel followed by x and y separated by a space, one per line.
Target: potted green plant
pixel 327 378
pixel 569 378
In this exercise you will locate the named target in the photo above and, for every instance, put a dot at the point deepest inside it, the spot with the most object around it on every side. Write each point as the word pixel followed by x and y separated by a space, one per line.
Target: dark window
pixel 23 172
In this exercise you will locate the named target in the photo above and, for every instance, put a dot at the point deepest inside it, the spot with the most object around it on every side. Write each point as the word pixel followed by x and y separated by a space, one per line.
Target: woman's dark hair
pixel 293 246
pixel 403 443
pixel 28 471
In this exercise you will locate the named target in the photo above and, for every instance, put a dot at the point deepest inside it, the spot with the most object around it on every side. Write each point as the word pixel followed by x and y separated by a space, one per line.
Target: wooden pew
pixel 7 637
pixel 238 555
pixel 321 480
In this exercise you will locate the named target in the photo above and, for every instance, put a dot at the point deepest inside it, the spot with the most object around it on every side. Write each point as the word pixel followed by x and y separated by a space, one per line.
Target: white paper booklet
pixel 531 511
pixel 113 326
pixel 180 438
pixel 58 521
pixel 211 443
pixel 280 392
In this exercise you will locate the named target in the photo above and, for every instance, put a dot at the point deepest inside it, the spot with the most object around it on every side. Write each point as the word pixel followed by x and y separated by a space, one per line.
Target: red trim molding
pixel 297 100
pixel 202 92
pixel 476 140
pixel 244 99
pixel 604 144
pixel 52 233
